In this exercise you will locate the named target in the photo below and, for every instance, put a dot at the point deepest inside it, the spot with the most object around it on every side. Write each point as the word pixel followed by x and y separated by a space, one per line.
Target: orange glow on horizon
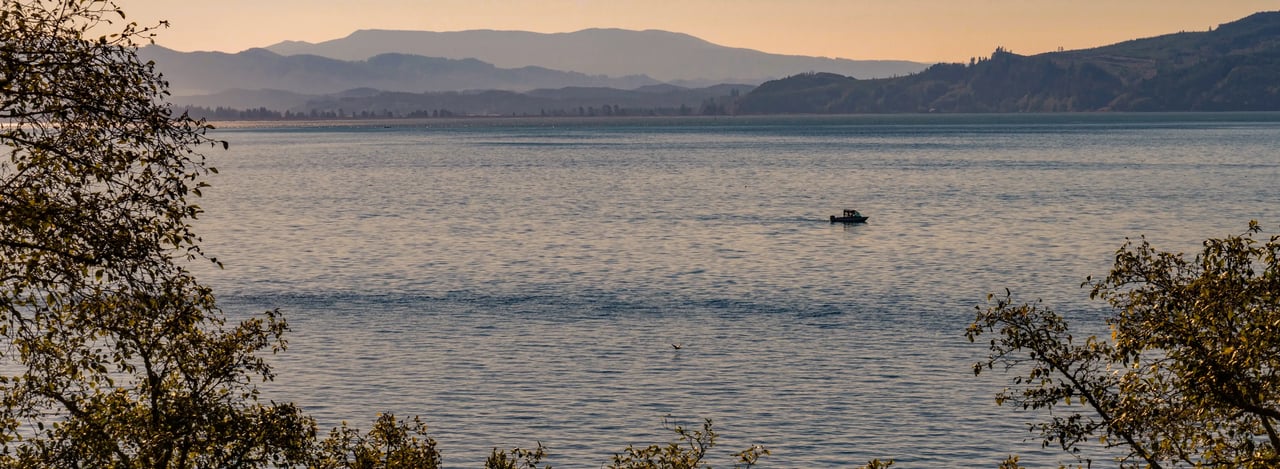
pixel 919 30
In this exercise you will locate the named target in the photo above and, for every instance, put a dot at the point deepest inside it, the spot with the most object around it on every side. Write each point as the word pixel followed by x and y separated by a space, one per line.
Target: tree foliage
pixel 687 452
pixel 1191 374
pixel 113 354
pixel 518 458
pixel 390 444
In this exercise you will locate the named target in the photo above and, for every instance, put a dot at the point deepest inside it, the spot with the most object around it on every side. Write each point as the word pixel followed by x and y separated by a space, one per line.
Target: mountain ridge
pixel 204 73
pixel 1234 67
pixel 664 55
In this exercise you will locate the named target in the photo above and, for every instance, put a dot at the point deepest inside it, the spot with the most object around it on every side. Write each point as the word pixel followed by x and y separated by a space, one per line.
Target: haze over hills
pixel 1235 67
pixel 203 73
pixel 447 72
pixel 666 56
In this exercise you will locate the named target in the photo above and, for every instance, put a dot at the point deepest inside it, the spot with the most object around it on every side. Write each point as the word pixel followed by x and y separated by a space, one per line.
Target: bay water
pixel 525 281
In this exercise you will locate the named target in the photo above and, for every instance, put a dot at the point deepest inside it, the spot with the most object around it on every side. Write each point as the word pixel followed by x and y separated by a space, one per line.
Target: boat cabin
pixel 850 216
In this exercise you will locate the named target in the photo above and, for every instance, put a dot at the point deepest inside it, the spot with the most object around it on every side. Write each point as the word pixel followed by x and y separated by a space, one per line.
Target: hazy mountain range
pixel 200 73
pixel 420 61
pixel 666 56
pixel 1234 67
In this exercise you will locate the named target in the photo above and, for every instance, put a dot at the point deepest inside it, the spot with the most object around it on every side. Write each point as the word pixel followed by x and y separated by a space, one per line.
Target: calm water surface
pixel 522 281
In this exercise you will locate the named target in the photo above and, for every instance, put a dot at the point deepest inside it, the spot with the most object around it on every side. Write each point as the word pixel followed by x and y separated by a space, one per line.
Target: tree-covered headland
pixel 1233 67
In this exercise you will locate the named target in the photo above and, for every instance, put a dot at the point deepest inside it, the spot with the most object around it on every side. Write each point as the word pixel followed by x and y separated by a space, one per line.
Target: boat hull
pixel 835 219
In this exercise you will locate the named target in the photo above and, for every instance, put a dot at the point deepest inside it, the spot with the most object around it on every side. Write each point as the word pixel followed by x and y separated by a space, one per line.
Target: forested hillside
pixel 1235 67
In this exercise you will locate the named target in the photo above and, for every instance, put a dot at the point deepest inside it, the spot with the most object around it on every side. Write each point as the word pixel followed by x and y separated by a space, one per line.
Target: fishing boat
pixel 850 216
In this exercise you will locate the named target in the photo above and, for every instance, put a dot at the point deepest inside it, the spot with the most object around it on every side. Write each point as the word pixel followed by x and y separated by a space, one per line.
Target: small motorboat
pixel 850 216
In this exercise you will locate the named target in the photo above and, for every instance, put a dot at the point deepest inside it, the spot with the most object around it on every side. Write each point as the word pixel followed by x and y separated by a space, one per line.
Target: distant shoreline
pixel 868 118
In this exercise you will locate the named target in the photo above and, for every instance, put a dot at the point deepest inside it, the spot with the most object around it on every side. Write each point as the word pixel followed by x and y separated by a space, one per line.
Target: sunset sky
pixel 920 30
